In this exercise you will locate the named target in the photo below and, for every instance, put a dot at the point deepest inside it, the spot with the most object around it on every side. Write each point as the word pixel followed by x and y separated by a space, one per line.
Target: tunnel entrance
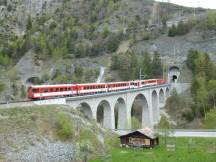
pixel 173 74
pixel 174 79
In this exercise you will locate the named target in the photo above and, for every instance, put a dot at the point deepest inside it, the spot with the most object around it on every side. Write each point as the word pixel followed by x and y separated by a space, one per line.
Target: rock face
pixel 48 151
pixel 32 7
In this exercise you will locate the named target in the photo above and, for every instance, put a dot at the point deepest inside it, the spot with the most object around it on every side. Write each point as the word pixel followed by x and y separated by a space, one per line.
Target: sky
pixel 194 3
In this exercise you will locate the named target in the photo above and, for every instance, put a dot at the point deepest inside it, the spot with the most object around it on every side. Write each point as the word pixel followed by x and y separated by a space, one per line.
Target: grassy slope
pixel 200 152
pixel 34 124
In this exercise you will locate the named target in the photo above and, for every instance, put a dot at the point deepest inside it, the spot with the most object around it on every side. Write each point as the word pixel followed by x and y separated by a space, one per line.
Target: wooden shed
pixel 144 138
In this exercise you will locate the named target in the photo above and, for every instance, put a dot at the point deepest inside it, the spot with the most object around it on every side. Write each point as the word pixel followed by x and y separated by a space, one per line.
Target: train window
pixel 34 90
pixel 69 89
pixel 65 89
pixel 51 90
pixel 61 89
pixel 45 90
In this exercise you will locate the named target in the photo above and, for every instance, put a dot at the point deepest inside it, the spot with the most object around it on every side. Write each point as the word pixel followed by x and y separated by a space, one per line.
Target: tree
pixel 165 126
pixel 112 43
pixel 29 23
pixel 115 62
pixel 147 65
pixel 157 69
pixel 172 31
pixel 210 120
pixel 105 32
pixel 128 66
pixel 211 20
pixel 192 55
pixel 202 93
pixel 212 91
pixel 2 87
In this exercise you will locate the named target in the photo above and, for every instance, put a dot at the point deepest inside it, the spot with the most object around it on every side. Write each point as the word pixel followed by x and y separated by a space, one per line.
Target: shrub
pixel 112 43
pixel 210 120
pixel 4 60
pixel 65 128
pixel 2 87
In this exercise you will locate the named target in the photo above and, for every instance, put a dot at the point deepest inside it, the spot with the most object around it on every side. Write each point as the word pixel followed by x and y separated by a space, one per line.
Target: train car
pixel 64 90
pixel 117 86
pixel 91 88
pixel 161 81
pixel 148 82
pixel 51 91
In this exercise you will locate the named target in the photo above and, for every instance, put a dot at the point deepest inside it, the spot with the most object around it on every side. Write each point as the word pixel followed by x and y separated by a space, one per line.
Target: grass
pixel 200 152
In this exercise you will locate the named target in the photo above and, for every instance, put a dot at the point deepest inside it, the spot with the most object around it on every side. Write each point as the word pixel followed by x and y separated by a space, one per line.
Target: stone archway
pixel 173 74
pixel 33 80
pixel 104 114
pixel 140 112
pixel 161 97
pixel 85 109
pixel 120 114
pixel 155 109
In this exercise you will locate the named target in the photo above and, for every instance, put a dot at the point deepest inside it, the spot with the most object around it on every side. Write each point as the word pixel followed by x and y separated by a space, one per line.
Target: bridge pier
pixel 151 100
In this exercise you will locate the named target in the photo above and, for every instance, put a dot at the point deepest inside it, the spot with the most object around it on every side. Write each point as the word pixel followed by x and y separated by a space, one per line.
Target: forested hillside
pixel 67 41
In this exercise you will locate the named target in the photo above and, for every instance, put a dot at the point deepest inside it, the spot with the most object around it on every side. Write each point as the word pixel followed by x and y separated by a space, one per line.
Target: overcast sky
pixel 194 3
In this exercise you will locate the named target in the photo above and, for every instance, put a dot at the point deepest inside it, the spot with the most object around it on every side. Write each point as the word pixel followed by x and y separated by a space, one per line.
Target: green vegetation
pixel 2 87
pixel 128 65
pixel 210 120
pixel 65 128
pixel 54 123
pixel 181 29
pixel 202 149
pixel 211 20
pixel 180 108
pixel 204 82
pixel 61 34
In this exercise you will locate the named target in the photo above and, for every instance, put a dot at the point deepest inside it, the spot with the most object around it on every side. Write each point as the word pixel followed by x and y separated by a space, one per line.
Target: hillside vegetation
pixel 53 133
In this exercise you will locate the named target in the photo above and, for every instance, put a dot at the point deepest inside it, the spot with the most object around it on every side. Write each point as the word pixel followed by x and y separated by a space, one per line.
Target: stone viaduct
pixel 151 99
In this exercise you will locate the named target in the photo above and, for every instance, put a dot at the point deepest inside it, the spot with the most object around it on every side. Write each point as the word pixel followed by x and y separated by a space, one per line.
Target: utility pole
pixel 141 76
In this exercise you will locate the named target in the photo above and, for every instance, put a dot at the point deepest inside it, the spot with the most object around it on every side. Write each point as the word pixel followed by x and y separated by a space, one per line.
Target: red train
pixel 65 90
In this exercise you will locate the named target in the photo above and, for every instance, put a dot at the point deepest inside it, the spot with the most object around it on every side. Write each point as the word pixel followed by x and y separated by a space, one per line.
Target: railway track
pixel 10 102
pixel 13 104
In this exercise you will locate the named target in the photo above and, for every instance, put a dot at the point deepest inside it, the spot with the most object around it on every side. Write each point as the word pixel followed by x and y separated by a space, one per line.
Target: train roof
pixel 52 85
pixel 84 84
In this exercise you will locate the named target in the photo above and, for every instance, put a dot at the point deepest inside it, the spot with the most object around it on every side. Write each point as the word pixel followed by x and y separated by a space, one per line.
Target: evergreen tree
pixel 157 70
pixel 115 62
pixel 147 65
pixel 29 23
pixel 172 31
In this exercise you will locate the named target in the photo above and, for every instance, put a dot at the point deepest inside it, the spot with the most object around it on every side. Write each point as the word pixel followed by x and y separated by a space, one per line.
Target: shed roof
pixel 146 131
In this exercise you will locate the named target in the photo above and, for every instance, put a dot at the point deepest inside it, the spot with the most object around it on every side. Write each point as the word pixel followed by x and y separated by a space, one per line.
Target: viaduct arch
pixel 114 110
